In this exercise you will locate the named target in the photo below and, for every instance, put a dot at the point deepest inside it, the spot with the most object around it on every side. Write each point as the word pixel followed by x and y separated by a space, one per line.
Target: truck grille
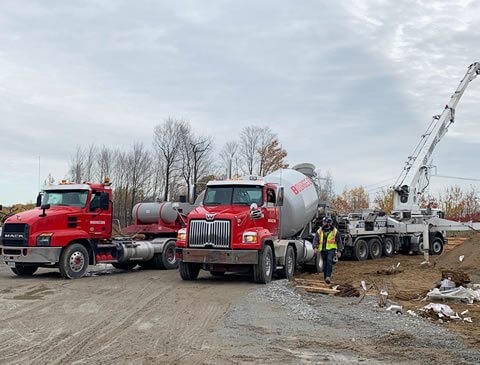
pixel 204 233
pixel 15 234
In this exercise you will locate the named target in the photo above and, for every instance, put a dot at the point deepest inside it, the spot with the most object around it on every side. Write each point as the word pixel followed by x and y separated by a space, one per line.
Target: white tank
pixel 300 202
pixel 148 213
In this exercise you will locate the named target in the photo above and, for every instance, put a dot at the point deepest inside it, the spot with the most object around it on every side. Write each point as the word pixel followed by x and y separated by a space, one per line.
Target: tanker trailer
pixel 251 225
pixel 158 223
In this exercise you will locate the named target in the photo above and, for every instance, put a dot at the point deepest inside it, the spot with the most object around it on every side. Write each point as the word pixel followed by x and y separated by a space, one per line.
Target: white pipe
pixel 426 243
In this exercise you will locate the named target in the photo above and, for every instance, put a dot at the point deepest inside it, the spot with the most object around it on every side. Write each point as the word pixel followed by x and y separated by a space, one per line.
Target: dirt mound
pixel 470 249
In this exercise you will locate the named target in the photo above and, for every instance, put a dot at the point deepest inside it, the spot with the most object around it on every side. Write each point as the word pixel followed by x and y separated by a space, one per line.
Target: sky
pixel 349 86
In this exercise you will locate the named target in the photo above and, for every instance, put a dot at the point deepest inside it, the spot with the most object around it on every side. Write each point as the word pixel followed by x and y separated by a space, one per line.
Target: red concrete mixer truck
pixel 71 228
pixel 251 225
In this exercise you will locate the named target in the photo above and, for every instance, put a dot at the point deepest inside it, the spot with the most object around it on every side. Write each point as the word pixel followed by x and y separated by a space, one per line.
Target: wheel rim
pixel 362 250
pixel 388 246
pixel 77 261
pixel 420 248
pixel 268 265
pixel 290 264
pixel 437 247
pixel 171 255
pixel 376 250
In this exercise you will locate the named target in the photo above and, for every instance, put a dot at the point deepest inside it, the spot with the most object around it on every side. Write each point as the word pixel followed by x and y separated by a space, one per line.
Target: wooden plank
pixel 313 289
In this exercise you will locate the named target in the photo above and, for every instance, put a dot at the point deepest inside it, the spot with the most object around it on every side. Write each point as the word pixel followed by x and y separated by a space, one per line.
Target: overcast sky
pixel 349 85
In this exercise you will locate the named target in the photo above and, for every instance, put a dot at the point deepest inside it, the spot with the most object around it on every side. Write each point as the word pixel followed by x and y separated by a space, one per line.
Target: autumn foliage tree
pixel 272 158
pixel 384 200
pixel 349 200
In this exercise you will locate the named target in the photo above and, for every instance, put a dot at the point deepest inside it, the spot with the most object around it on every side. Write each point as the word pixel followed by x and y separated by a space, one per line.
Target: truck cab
pixel 65 213
pixel 236 229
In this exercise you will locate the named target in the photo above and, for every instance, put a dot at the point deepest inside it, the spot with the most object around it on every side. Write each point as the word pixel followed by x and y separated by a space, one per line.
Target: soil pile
pixel 470 250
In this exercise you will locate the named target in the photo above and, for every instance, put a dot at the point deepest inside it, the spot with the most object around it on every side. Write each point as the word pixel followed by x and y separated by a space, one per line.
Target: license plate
pixel 11 264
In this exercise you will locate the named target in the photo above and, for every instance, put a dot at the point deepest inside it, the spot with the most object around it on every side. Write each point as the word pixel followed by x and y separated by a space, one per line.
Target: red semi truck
pixel 71 228
pixel 252 225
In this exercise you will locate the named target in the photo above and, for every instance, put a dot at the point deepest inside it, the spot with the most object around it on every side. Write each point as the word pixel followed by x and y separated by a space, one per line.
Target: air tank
pixel 149 213
pixel 300 201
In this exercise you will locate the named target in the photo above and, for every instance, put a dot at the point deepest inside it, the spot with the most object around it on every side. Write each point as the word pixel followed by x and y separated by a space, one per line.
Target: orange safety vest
pixel 331 241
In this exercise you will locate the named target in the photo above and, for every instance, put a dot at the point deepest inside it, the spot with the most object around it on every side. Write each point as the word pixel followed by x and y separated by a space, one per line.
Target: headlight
pixel 44 239
pixel 250 237
pixel 182 234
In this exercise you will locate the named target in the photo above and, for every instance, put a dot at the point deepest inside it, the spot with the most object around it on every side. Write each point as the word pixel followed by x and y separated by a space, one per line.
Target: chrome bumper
pixel 233 257
pixel 31 255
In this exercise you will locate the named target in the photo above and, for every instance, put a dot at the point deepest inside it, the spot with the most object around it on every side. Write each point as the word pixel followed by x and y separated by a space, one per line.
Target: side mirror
pixel 280 197
pixel 39 200
pixel 253 207
pixel 104 201
pixel 255 213
pixel 44 207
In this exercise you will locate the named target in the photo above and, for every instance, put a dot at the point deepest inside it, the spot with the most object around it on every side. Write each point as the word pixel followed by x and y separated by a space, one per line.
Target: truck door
pixel 100 215
pixel 271 210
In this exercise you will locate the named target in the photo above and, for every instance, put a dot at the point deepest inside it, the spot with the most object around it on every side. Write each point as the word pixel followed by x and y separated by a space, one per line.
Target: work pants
pixel 327 257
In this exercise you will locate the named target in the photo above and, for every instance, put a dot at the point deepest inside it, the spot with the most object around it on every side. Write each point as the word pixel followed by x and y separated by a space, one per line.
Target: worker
pixel 328 241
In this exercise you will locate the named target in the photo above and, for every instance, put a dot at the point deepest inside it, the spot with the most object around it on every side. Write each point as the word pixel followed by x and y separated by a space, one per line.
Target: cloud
pixel 349 86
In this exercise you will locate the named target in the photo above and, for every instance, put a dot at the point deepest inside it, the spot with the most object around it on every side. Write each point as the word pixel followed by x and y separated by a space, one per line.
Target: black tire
pixel 24 270
pixel 419 250
pixel 288 269
pixel 436 247
pixel 166 260
pixel 73 261
pixel 360 250
pixel 128 265
pixel 262 272
pixel 374 248
pixel 388 247
pixel 189 271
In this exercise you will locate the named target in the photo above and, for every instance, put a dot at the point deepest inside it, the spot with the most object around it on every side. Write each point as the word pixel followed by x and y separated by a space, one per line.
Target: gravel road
pixel 152 317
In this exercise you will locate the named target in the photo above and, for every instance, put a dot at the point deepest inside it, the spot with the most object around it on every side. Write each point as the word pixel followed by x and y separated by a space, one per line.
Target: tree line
pixel 178 163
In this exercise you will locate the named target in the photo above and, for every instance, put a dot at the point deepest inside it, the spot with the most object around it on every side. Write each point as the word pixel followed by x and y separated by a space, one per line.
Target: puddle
pixel 37 293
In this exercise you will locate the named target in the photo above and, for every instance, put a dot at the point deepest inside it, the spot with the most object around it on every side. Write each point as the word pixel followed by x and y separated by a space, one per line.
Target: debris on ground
pixel 382 292
pixel 395 308
pixel 391 270
pixel 439 311
pixel 459 294
pixel 317 286
pixel 457 276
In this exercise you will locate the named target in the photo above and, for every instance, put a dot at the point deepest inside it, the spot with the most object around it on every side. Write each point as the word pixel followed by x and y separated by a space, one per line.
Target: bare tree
pixel 265 140
pixel 89 166
pixel 186 152
pixel 229 158
pixel 167 143
pixel 104 161
pixel 201 148
pixel 324 185
pixel 139 165
pixel 249 142
pixel 77 165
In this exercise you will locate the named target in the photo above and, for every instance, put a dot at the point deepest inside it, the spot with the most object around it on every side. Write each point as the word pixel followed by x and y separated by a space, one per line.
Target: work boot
pixel 327 279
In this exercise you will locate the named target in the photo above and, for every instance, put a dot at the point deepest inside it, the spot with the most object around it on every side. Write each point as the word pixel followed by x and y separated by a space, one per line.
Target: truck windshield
pixel 234 195
pixel 70 198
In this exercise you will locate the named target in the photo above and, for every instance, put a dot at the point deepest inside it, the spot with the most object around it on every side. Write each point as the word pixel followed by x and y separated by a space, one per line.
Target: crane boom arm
pixel 414 178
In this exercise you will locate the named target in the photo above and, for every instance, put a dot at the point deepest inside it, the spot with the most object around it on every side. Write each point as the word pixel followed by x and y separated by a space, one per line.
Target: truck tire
pixel 388 247
pixel 436 247
pixel 288 269
pixel 262 272
pixel 374 248
pixel 169 260
pixel 24 270
pixel 189 271
pixel 73 261
pixel 360 250
pixel 127 265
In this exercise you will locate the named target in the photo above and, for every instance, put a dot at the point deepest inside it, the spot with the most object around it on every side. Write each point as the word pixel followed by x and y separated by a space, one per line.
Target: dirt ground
pixel 153 317
pixel 414 280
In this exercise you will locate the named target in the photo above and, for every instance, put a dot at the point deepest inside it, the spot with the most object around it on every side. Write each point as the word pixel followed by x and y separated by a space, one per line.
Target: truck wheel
pixel 388 247
pixel 24 270
pixel 436 247
pixel 189 271
pixel 263 270
pixel 289 268
pixel 360 250
pixel 169 260
pixel 127 265
pixel 73 261
pixel 374 248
